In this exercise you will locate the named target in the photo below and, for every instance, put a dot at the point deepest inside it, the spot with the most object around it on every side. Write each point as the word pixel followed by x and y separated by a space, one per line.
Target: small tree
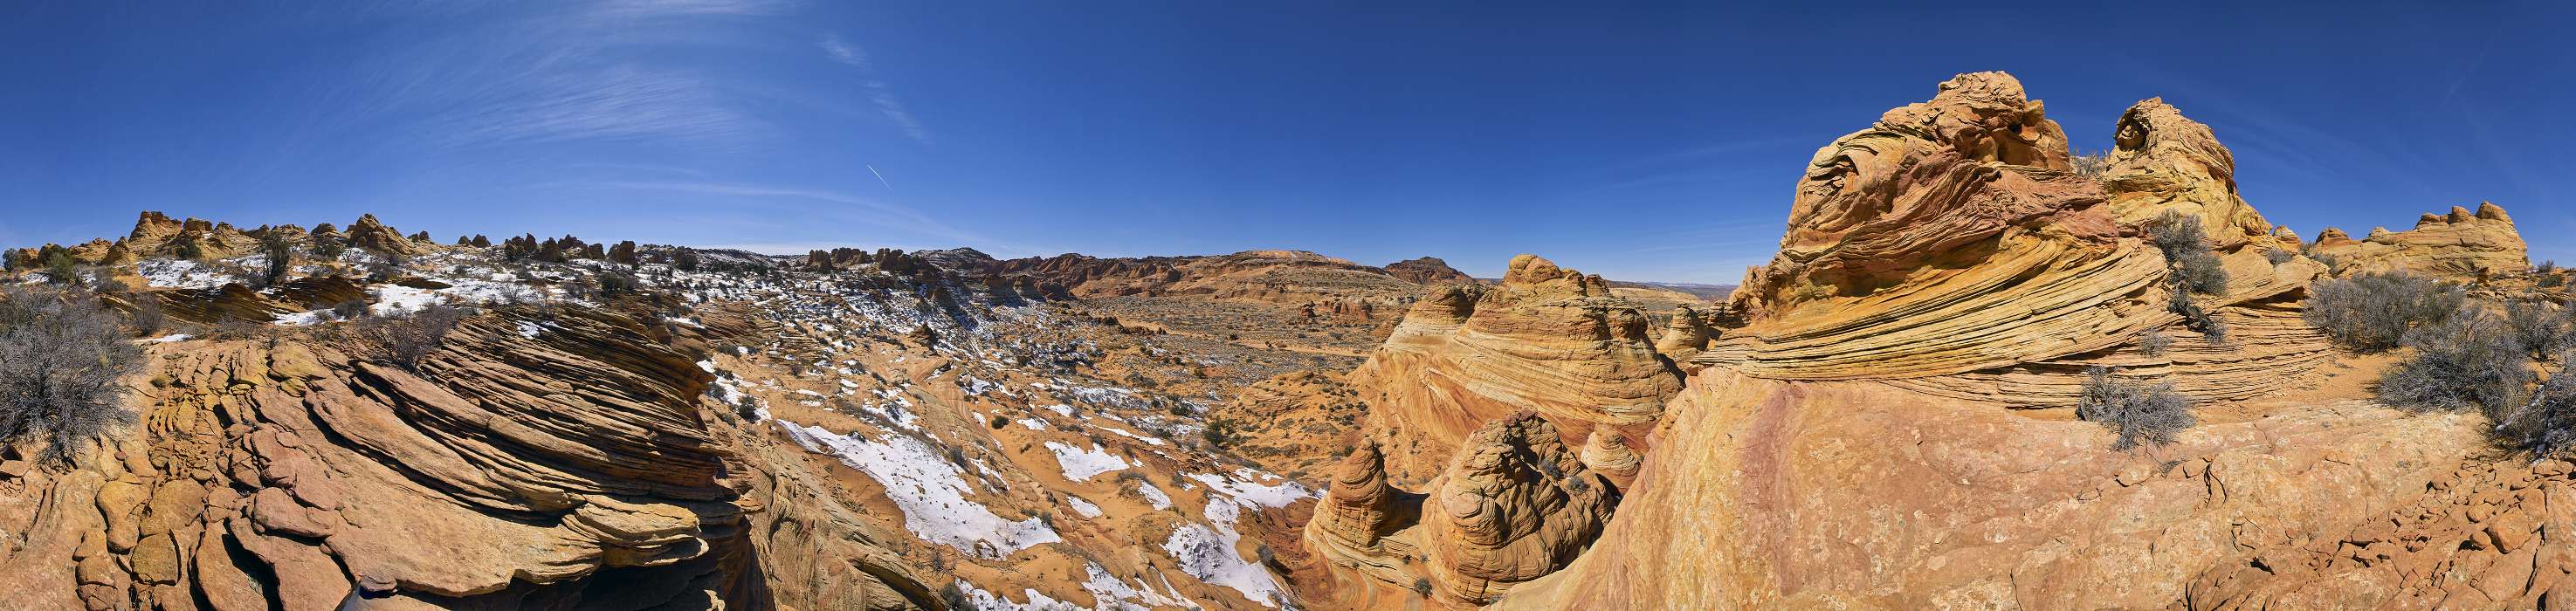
pixel 686 260
pixel 280 254
pixel 147 317
pixel 62 365
pixel 60 267
pixel 2136 412
pixel 2541 329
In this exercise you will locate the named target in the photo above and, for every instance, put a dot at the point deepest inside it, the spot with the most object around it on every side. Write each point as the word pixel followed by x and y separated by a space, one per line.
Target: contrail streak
pixel 880 177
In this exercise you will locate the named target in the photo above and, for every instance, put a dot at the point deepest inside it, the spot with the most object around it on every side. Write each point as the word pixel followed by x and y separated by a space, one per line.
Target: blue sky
pixel 1648 143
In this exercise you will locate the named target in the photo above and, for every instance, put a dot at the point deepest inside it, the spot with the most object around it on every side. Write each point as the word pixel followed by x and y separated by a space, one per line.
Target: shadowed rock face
pixel 1546 339
pixel 2458 244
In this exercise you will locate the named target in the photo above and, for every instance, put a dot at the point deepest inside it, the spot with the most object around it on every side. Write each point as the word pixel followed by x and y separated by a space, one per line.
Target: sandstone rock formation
pixel 1427 270
pixel 1947 249
pixel 371 234
pixel 1545 339
pixel 571 468
pixel 1800 494
pixel 1850 445
pixel 1515 504
pixel 2164 162
pixel 2458 244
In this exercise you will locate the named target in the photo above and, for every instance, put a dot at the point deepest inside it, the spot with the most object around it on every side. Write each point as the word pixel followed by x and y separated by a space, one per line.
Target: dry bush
pixel 2470 360
pixel 2139 413
pixel 407 340
pixel 63 358
pixel 2373 311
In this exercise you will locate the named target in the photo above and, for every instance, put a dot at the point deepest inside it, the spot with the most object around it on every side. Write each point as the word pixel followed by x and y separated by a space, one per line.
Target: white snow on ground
pixel 1033 423
pixel 180 274
pixel 1154 495
pixel 302 319
pixel 1208 554
pixel 1133 435
pixel 930 491
pixel 1245 490
pixel 531 331
pixel 1083 507
pixel 174 337
pixel 1081 465
pixel 1107 592
pixel 393 299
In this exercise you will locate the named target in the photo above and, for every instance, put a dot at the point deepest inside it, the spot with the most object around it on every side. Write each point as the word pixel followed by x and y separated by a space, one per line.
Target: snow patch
pixel 930 491
pixel 1081 465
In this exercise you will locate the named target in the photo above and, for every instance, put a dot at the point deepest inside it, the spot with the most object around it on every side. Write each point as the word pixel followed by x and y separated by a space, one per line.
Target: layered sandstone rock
pixel 368 233
pixel 2458 244
pixel 1946 249
pixel 1545 339
pixel 1515 504
pixel 1793 494
pixel 2484 536
pixel 1427 270
pixel 2165 162
pixel 567 468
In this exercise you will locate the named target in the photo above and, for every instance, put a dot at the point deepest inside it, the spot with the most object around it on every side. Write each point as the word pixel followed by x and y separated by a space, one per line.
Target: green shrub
pixel 2138 413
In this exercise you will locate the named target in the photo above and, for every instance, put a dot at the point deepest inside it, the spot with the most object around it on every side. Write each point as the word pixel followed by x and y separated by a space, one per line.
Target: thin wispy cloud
pixel 879 93
pixel 857 210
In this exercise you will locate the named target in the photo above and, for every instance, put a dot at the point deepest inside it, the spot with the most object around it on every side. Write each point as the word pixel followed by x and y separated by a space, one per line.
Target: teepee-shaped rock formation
pixel 1546 339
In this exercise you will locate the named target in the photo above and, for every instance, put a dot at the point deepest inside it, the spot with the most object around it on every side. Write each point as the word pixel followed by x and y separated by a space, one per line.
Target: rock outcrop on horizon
pixel 1427 270
pixel 2460 244
pixel 1546 339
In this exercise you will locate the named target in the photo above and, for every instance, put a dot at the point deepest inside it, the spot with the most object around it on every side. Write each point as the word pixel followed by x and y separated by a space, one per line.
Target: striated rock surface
pixel 2165 162
pixel 1945 249
pixel 1513 505
pixel 1798 494
pixel 371 234
pixel 2484 536
pixel 2459 244
pixel 1427 270
pixel 1546 339
pixel 571 468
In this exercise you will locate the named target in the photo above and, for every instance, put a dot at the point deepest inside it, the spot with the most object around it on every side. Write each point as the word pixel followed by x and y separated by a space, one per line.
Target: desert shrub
pixel 2186 247
pixel 2279 256
pixel 2139 413
pixel 62 362
pixel 2544 425
pixel 2552 281
pixel 2092 165
pixel 147 317
pixel 189 250
pixel 408 340
pixel 2154 342
pixel 328 248
pixel 349 310
pixel 686 260
pixel 2468 361
pixel 2373 311
pixel 2547 267
pixel 1220 432
pixel 2541 329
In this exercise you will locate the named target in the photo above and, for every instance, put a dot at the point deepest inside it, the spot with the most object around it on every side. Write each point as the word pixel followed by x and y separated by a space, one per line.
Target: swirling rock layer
pixel 1546 339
